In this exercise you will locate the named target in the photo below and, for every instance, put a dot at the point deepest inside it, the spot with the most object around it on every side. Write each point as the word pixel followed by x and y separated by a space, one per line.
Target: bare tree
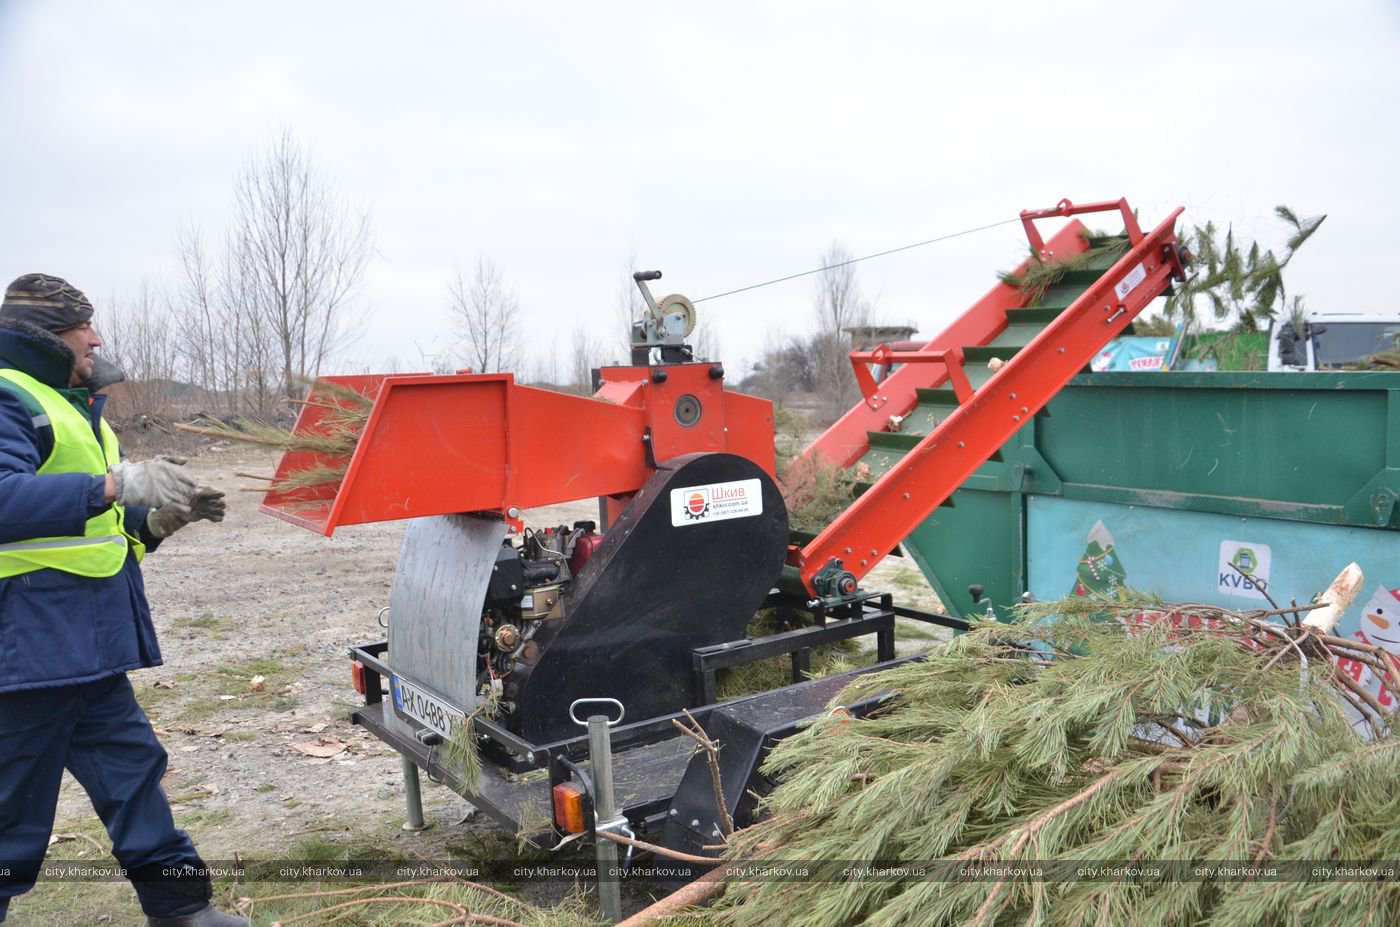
pixel 228 348
pixel 221 339
pixel 251 340
pixel 487 315
pixel 584 350
pixel 434 358
pixel 296 255
pixel 629 307
pixel 199 318
pixel 787 366
pixel 272 304
pixel 137 337
pixel 705 343
pixel 545 370
pixel 839 307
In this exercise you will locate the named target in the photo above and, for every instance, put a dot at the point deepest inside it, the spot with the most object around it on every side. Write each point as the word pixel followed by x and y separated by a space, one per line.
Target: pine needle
pixel 1042 275
pixel 333 442
pixel 765 675
pixel 344 412
pixel 352 398
pixel 816 492
pixel 309 478
pixel 460 751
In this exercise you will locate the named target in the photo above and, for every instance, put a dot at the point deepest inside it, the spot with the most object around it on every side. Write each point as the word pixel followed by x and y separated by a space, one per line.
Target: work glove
pixel 207 504
pixel 154 483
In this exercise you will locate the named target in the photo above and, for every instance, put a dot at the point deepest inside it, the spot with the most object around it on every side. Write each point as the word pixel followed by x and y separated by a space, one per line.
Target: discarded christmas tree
pixel 1125 762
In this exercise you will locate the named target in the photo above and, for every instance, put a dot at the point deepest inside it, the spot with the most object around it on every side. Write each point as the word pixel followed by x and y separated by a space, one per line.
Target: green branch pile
pixel 765 675
pixel 1131 736
pixel 816 491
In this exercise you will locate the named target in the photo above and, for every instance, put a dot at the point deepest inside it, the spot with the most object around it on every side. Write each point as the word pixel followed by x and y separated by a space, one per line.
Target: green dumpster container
pixel 1201 487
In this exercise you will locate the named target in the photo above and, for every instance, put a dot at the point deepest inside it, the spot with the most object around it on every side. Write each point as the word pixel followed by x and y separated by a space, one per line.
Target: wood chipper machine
pixel 507 637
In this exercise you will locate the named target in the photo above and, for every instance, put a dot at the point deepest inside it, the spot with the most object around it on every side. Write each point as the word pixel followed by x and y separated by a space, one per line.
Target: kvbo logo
pixel 1244 569
pixel 697 504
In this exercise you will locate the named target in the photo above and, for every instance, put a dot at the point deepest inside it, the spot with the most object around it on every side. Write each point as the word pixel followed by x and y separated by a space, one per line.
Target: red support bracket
pixel 883 357
pixel 1064 208
pixel 953 360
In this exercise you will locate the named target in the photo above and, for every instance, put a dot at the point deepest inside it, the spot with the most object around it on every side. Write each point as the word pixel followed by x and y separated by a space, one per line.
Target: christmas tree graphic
pixel 1099 573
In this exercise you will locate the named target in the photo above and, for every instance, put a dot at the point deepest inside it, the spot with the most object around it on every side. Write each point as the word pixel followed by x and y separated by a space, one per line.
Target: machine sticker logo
pixel 697 504
pixel 693 505
pixel 1130 282
pixel 1244 569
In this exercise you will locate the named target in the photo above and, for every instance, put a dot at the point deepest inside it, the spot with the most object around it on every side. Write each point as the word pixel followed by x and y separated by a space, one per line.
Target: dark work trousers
pixel 99 732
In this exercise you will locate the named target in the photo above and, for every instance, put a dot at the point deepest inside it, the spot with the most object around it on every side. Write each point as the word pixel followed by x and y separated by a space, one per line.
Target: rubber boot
pixel 208 916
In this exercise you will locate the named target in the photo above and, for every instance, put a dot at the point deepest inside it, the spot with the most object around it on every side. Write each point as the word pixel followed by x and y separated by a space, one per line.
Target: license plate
pixel 413 701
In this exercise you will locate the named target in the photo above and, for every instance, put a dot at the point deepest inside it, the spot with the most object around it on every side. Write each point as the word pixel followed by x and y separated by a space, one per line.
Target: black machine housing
pixel 648 614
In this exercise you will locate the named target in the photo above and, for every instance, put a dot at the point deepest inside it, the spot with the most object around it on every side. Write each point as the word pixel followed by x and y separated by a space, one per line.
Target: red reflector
pixel 568 808
pixel 357 676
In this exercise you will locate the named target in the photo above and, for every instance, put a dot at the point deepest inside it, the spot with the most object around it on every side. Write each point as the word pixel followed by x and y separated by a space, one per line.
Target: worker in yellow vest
pixel 75 521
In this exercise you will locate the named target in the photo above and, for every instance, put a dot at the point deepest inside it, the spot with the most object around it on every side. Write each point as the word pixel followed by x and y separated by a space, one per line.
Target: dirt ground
pixel 252 704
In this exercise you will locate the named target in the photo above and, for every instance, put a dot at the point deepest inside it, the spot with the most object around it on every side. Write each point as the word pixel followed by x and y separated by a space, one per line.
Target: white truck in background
pixel 1332 340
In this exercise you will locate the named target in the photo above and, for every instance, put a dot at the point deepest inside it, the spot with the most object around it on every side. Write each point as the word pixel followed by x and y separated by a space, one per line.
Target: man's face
pixel 84 340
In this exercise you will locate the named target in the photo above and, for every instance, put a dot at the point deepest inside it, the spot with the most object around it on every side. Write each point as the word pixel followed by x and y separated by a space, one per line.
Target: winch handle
pixel 596 701
pixel 640 278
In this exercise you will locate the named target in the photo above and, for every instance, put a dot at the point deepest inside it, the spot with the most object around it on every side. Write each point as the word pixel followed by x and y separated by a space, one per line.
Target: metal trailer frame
pixel 650 757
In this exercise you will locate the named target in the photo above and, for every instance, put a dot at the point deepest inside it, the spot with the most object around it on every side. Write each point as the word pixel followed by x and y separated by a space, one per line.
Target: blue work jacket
pixel 57 628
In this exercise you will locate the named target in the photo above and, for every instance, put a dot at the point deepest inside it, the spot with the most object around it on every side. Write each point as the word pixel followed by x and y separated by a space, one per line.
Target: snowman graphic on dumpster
pixel 1379 627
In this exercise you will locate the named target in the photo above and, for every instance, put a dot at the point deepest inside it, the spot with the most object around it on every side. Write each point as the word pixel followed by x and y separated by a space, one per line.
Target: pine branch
pixel 343 415
pixel 1038 739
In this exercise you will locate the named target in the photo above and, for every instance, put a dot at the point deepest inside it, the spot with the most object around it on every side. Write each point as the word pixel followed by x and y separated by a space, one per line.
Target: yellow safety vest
pixel 101 550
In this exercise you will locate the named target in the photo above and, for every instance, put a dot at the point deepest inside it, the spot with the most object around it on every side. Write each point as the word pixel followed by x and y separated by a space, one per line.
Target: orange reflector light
pixel 357 676
pixel 568 808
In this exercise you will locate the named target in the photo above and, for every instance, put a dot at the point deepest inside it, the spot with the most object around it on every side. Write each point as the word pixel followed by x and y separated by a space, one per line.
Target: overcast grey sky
pixel 724 143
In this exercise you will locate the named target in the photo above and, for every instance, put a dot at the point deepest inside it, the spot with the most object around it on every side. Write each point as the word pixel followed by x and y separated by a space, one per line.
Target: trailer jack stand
pixel 413 796
pixel 605 814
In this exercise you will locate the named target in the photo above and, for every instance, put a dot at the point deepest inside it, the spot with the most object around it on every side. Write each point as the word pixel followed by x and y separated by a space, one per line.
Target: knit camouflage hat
pixel 49 302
